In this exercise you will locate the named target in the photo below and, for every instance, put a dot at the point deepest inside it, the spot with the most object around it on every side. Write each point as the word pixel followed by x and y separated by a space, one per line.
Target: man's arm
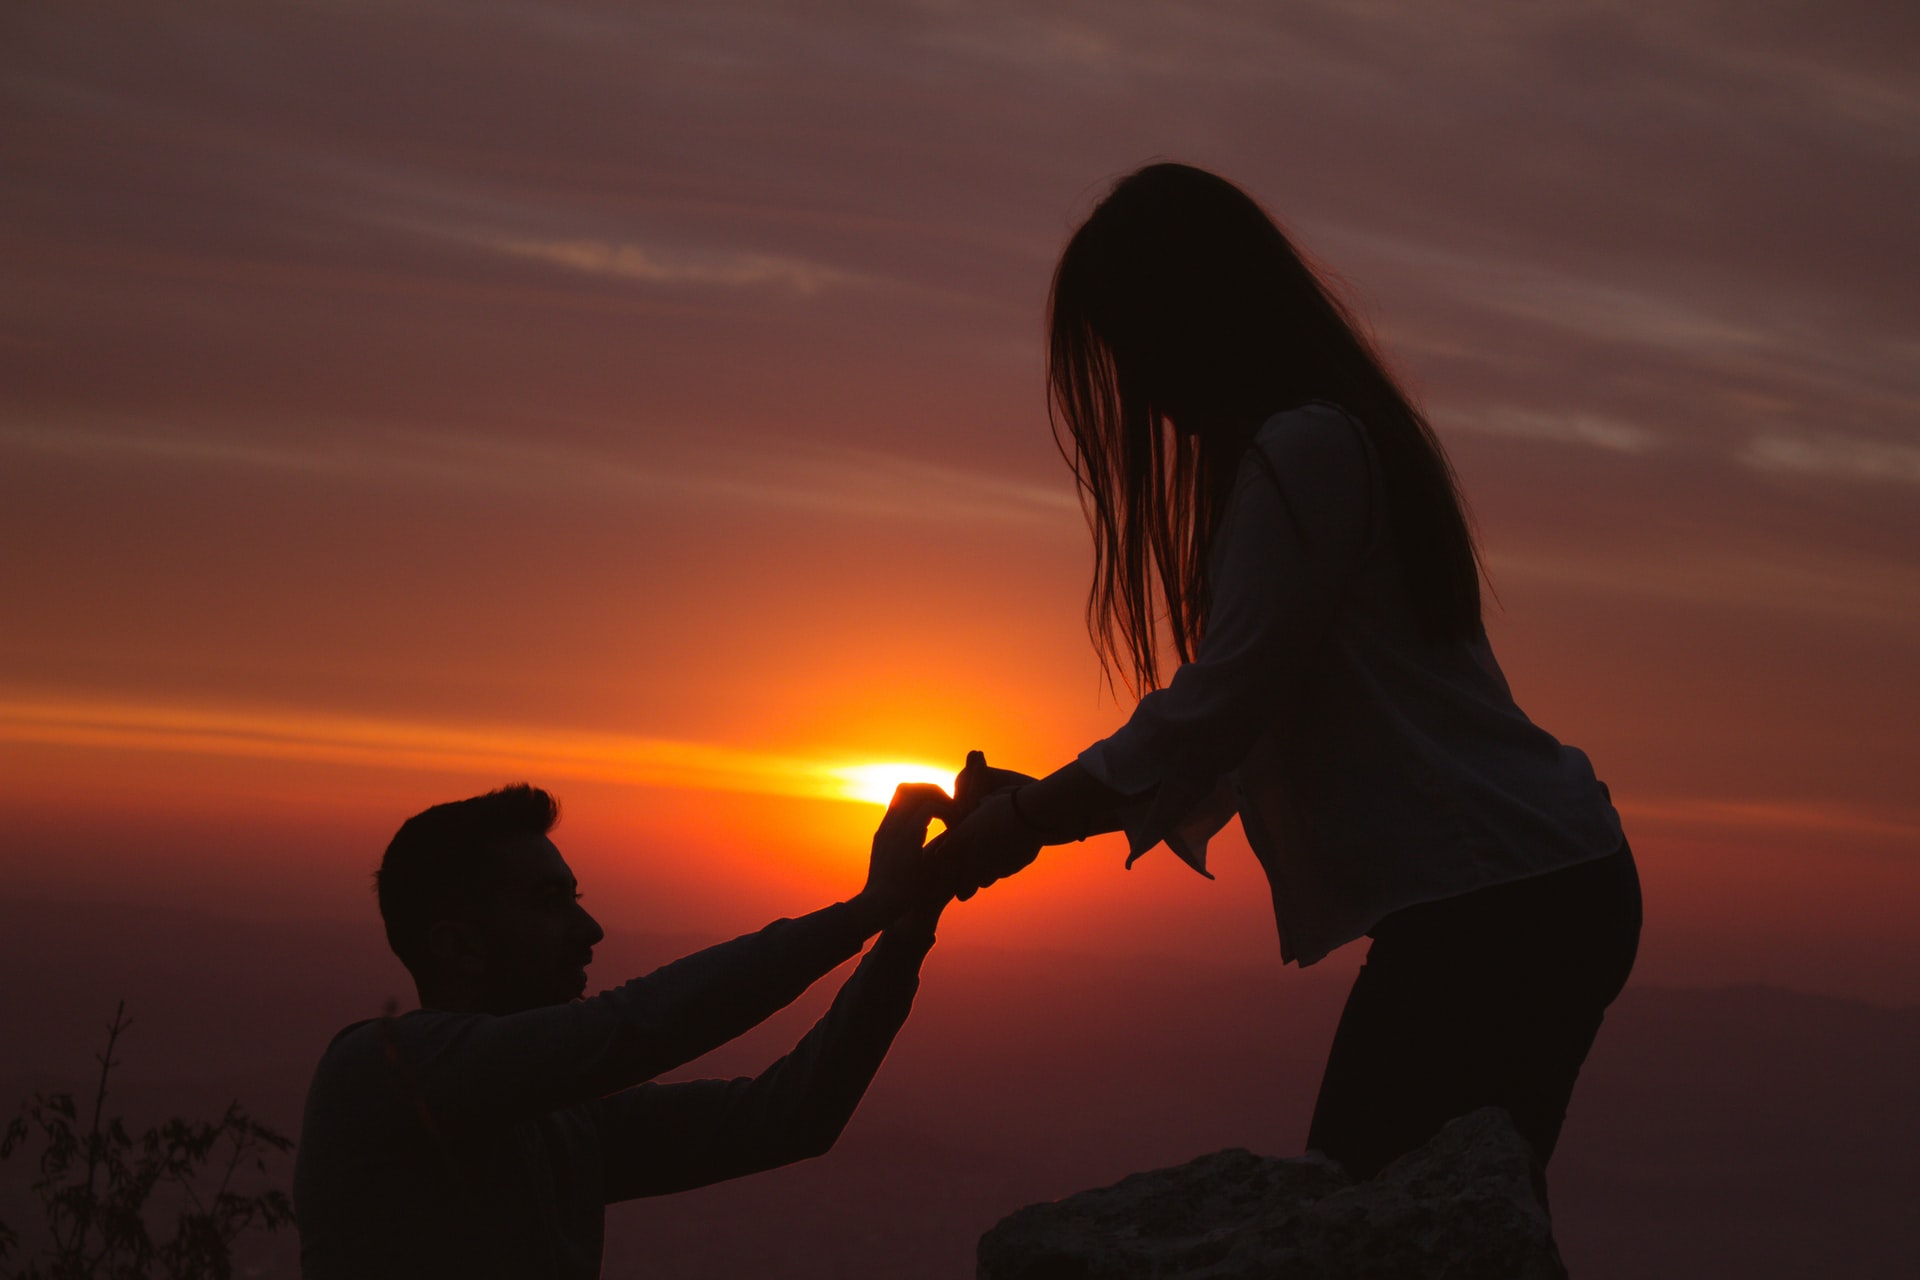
pixel 460 1065
pixel 663 1138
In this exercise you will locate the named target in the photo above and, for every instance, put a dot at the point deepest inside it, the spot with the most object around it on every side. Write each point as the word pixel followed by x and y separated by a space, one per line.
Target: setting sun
pixel 874 783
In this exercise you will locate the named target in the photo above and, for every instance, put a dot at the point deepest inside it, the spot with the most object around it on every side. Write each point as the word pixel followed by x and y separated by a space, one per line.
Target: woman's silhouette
pixel 1265 500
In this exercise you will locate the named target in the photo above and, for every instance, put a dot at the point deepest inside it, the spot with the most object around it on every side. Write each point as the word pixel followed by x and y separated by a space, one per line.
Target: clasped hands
pixel 986 840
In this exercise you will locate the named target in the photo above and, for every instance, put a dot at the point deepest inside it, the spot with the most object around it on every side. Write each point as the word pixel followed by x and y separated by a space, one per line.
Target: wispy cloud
pixel 1584 305
pixel 646 265
pixel 1834 457
pixel 800 475
pixel 1788 816
pixel 496 751
pixel 577 236
pixel 1857 589
pixel 1594 430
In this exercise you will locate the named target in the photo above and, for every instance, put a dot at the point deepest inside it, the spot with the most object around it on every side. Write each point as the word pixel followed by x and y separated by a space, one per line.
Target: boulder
pixel 1463 1207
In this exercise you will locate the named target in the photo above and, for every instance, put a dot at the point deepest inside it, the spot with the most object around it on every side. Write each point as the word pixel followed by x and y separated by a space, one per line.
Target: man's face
pixel 537 939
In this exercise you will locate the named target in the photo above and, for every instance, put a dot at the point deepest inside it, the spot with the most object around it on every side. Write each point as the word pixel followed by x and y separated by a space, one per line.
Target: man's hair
pixel 443 859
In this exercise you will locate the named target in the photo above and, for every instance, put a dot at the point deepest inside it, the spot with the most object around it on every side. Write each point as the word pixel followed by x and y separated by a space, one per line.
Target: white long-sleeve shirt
pixel 1371 768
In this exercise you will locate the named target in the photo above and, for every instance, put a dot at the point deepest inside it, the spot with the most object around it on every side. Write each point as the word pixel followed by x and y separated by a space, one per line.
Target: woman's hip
pixel 1577 925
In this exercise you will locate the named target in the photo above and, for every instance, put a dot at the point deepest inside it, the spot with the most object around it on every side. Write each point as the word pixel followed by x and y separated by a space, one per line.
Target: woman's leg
pixel 1388 1083
pixel 1599 905
pixel 1489 999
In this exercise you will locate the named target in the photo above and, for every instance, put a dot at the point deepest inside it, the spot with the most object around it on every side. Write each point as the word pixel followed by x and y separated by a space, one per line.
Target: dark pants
pixel 1492 998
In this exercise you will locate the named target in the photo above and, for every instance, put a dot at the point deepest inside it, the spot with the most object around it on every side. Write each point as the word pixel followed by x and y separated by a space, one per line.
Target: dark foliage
pixel 101 1189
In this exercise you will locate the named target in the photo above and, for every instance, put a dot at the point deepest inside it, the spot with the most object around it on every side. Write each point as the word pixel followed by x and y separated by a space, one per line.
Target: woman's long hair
pixel 1180 303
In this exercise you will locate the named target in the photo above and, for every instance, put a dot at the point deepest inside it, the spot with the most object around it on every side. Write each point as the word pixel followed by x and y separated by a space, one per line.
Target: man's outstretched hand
pixel 906 875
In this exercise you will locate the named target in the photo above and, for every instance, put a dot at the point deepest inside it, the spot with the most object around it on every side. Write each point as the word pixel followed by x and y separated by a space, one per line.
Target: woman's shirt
pixel 1371 767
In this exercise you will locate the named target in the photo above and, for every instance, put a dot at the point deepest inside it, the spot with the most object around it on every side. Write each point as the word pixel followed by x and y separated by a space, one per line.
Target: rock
pixel 1463 1207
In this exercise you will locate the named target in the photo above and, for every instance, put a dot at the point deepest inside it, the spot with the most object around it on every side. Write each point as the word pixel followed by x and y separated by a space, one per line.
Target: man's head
pixel 482 909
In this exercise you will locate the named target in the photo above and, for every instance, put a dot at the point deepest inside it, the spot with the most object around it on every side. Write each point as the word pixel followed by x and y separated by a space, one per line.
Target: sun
pixel 874 783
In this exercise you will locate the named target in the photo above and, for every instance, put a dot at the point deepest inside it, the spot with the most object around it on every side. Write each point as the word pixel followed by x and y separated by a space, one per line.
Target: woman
pixel 1258 485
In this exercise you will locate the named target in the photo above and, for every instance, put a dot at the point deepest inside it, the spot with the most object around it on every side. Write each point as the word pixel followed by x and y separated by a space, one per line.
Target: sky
pixel 405 397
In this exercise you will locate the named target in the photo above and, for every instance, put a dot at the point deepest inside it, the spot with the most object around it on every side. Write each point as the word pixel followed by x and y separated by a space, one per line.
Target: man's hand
pixel 905 873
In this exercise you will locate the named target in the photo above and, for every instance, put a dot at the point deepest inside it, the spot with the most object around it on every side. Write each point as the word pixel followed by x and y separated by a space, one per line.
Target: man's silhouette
pixel 484 1133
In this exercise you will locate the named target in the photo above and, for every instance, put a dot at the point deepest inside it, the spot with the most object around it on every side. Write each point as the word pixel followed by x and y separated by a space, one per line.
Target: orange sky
pixel 396 401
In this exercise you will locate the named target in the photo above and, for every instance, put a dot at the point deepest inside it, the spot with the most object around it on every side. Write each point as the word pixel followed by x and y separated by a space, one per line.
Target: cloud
pixel 493 750
pixel 1589 429
pixel 1834 457
pixel 1795 816
pixel 798 475
pixel 624 261
pixel 1857 589
pixel 1585 304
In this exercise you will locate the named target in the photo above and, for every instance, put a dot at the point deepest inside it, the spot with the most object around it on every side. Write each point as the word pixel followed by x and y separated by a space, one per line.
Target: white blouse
pixel 1371 768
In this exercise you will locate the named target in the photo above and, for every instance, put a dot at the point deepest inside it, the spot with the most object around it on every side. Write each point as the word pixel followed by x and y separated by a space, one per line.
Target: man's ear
pixel 457 948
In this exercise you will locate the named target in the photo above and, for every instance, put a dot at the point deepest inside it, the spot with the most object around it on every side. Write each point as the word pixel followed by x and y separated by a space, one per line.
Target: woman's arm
pixel 1011 826
pixel 1282 556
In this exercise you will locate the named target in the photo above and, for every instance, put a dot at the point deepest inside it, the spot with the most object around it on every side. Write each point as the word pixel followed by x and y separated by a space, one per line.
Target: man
pixel 483 1134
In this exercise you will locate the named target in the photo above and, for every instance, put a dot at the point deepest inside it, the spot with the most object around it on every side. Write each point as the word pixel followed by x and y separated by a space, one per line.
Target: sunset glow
pixel 500 750
pixel 875 783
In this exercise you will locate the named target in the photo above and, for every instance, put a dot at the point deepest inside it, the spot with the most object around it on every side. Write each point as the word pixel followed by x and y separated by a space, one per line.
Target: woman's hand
pixel 990 844
pixel 978 780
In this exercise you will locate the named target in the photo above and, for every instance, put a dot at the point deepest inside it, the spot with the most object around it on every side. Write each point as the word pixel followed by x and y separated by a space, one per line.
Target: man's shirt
pixel 456 1144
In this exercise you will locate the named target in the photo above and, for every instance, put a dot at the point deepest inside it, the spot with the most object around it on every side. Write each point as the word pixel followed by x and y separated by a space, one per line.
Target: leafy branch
pixel 99 1230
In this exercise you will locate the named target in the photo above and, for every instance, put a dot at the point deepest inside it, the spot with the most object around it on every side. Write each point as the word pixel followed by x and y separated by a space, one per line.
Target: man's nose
pixel 590 928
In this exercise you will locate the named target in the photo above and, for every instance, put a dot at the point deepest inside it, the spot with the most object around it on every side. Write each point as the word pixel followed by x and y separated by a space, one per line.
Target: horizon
pixel 646 403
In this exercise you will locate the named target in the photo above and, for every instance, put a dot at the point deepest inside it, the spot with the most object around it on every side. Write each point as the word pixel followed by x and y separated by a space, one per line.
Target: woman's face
pixel 1196 404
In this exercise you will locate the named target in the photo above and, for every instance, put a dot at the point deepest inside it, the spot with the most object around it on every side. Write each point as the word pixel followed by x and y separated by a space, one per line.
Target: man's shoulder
pixel 384 1038
pixel 353 1031
pixel 363 1038
pixel 350 1056
pixel 373 1046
